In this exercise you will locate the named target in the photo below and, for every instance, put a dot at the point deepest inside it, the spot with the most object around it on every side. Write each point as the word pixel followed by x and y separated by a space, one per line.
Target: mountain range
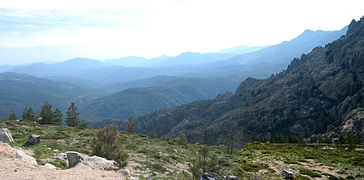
pixel 134 86
pixel 316 91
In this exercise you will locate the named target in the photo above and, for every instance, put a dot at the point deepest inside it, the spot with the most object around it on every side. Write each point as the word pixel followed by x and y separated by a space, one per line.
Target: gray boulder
pixel 73 159
pixel 33 139
pixel 287 174
pixel 20 154
pixel 147 175
pixel 50 166
pixel 5 135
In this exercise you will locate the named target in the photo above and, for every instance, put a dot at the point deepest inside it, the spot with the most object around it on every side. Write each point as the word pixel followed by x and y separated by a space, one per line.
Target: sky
pixel 56 30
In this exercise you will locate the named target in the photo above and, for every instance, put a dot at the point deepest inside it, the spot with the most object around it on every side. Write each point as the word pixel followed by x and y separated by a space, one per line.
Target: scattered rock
pixel 125 172
pixel 328 147
pixel 73 159
pixel 33 139
pixel 3 124
pixel 50 166
pixel 175 150
pixel 230 177
pixel 20 154
pixel 133 178
pixel 147 175
pixel 209 176
pixel 5 135
pixel 287 174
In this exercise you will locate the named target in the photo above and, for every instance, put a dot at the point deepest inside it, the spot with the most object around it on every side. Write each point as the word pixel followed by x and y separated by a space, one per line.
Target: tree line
pixel 48 116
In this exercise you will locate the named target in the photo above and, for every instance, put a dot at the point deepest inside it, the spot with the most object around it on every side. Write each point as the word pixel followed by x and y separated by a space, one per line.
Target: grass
pixel 309 173
pixel 149 154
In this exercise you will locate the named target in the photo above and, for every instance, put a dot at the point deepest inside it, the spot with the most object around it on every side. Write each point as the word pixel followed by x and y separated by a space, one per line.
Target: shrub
pixel 106 144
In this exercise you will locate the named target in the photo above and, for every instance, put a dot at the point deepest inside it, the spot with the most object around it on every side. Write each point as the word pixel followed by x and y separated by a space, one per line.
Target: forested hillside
pixel 315 91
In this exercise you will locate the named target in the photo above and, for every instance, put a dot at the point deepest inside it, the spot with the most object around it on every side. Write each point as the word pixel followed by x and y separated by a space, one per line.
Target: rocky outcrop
pixel 20 154
pixel 352 125
pixel 33 139
pixel 209 176
pixel 95 162
pixel 5 135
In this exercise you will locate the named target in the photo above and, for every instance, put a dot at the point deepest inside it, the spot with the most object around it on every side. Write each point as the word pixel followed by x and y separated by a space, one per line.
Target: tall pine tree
pixel 72 118
pixel 58 117
pixel 46 114
pixel 28 114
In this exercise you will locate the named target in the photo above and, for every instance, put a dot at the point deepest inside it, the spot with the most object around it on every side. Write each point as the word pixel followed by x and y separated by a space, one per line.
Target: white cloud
pixel 114 28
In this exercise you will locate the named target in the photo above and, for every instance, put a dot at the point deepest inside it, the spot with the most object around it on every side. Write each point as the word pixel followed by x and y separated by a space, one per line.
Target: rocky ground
pixel 13 168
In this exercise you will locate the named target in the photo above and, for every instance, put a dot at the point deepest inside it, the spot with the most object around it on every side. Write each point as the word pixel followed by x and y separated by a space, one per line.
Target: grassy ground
pixel 168 160
pixel 265 160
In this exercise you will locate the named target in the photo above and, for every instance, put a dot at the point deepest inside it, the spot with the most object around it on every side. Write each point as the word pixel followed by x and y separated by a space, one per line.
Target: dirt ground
pixel 12 168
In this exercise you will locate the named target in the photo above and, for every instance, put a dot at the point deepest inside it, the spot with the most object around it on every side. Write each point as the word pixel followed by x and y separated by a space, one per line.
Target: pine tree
pixel 28 114
pixel 58 117
pixel 12 116
pixel 72 116
pixel 131 126
pixel 46 114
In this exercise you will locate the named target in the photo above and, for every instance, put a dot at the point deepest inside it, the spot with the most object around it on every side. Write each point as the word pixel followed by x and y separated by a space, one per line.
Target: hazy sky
pixel 49 30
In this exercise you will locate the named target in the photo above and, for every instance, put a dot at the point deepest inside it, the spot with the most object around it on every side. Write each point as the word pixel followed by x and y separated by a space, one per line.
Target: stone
pixel 5 135
pixel 125 172
pixel 33 139
pixel 147 175
pixel 133 178
pixel 263 171
pixel 287 174
pixel 230 177
pixel 3 124
pixel 99 163
pixel 73 159
pixel 209 176
pixel 95 162
pixel 20 154
pixel 50 166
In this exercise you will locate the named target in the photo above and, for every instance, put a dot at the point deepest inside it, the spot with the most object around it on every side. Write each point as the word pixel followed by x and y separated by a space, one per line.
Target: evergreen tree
pixel 46 114
pixel 12 116
pixel 131 126
pixel 83 124
pixel 204 153
pixel 72 116
pixel 58 117
pixel 28 114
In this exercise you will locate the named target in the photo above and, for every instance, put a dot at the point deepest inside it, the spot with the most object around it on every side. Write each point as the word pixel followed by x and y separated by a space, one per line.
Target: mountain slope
pixel 18 91
pixel 165 92
pixel 315 91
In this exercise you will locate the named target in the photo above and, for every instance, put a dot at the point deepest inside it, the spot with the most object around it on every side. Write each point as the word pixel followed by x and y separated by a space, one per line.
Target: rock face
pixel 5 135
pixel 33 139
pixel 25 157
pixel 287 174
pixel 93 161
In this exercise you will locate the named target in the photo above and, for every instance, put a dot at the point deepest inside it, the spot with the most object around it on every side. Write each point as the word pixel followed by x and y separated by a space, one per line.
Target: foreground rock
pixel 73 159
pixel 33 139
pixel 50 166
pixel 20 154
pixel 287 174
pixel 95 162
pixel 5 135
